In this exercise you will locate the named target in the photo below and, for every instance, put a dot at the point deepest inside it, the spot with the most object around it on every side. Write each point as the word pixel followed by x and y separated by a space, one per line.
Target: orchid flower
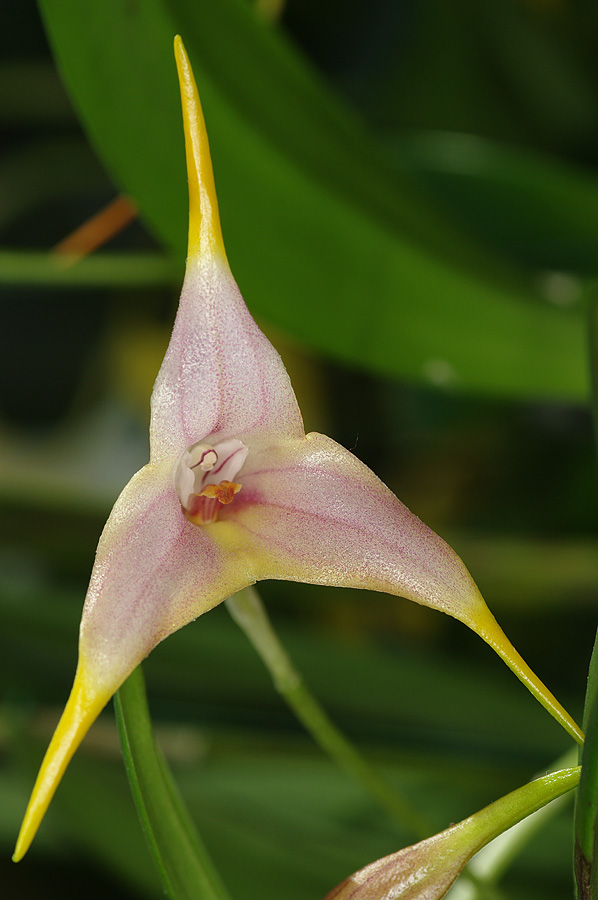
pixel 236 492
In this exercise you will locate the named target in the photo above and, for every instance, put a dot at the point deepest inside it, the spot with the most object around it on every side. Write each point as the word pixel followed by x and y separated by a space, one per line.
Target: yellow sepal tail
pixel 83 707
pixel 486 626
pixel 205 233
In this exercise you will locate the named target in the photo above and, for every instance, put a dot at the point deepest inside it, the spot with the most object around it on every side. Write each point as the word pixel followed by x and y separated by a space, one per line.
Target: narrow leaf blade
pixel 185 869
pixel 586 808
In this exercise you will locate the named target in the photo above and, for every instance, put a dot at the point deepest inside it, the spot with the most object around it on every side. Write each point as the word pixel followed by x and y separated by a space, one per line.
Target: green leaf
pixel 312 210
pixel 586 808
pixel 186 871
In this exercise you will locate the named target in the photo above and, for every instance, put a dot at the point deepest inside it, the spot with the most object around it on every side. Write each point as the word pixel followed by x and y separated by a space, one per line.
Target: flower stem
pixel 489 865
pixel 101 270
pixel 186 871
pixel 248 611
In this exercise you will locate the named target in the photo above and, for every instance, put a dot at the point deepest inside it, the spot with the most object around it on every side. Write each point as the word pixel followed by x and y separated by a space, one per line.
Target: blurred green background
pixel 409 199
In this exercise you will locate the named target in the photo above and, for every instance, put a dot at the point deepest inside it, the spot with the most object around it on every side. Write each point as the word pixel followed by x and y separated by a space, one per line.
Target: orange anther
pixel 223 492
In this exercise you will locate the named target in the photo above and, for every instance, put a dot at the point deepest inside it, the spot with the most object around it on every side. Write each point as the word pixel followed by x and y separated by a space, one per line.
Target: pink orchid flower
pixel 236 492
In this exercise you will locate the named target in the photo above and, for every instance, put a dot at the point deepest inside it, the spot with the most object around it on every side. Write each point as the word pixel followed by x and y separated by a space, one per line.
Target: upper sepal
pixel 221 378
pixel 205 232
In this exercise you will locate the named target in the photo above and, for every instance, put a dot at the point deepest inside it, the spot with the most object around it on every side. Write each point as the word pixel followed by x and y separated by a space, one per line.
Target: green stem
pixel 493 860
pixel 586 808
pixel 138 270
pixel 249 613
pixel 185 869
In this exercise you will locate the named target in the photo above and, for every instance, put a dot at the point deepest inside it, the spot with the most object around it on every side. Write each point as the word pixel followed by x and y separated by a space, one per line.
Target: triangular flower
pixel 235 492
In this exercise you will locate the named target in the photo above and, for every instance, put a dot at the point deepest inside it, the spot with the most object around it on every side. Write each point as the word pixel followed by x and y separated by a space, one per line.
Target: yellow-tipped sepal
pixel 486 626
pixel 205 233
pixel 83 707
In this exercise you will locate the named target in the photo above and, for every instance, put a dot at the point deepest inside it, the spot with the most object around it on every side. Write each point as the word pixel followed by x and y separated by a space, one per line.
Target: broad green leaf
pixel 586 808
pixel 320 230
pixel 185 869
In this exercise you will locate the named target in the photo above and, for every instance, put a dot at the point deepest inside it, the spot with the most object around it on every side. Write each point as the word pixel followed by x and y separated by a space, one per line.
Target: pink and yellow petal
pixel 314 512
pixel 311 511
pixel 84 705
pixel 154 572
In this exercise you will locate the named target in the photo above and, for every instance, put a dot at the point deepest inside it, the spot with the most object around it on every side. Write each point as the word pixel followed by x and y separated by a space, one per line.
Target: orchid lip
pixel 204 478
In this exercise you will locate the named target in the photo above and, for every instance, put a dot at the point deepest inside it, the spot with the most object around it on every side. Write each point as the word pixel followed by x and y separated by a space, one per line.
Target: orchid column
pixel 236 492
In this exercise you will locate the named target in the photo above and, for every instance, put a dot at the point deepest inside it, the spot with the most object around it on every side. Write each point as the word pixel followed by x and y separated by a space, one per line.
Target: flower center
pixel 204 478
